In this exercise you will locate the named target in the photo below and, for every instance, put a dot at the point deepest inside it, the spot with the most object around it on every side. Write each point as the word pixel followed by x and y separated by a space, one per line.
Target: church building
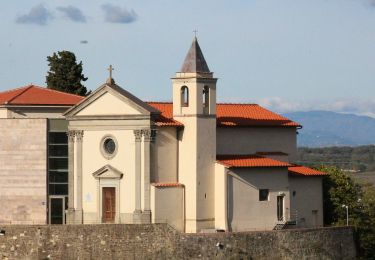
pixel 193 163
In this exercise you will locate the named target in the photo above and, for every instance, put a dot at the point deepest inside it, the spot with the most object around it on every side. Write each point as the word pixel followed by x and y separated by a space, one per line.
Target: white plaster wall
pixel 165 155
pixel 308 198
pixel 206 158
pixel 196 171
pixel 23 175
pixel 93 160
pixel 101 107
pixel 187 173
pixel 245 211
pixel 220 197
pixel 249 140
pixel 171 212
pixel 195 86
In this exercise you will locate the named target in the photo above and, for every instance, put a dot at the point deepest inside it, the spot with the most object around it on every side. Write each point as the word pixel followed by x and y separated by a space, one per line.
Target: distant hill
pixel 359 158
pixel 324 128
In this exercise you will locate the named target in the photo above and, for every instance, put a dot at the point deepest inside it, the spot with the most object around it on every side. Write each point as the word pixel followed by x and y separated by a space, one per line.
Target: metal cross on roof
pixel 110 79
pixel 195 33
pixel 110 69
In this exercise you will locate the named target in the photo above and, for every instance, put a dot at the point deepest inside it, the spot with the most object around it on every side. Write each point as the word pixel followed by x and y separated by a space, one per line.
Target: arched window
pixel 206 96
pixel 184 96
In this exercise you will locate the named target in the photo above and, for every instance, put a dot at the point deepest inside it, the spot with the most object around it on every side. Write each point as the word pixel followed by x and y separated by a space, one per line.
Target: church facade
pixel 194 163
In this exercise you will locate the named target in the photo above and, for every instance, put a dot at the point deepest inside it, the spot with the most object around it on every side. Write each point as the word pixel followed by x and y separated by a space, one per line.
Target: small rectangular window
pixel 263 194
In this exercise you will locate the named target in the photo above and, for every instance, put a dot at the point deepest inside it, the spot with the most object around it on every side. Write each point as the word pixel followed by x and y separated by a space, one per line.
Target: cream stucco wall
pixel 249 140
pixel 197 148
pixel 167 206
pixel 221 219
pixel 195 85
pixel 165 155
pixel 196 171
pixel 206 158
pixel 92 160
pixel 101 106
pixel 245 211
pixel 306 200
pixel 187 170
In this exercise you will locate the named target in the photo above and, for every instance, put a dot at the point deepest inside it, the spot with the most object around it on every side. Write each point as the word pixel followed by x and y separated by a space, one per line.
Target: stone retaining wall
pixel 159 241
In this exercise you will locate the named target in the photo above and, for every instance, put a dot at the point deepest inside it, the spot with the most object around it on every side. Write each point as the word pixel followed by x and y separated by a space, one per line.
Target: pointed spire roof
pixel 194 61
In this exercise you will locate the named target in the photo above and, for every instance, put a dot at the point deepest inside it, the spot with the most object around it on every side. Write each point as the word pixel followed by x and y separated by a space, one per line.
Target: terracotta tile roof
pixel 305 171
pixel 249 115
pixel 246 161
pixel 166 117
pixel 167 184
pixel 229 115
pixel 34 95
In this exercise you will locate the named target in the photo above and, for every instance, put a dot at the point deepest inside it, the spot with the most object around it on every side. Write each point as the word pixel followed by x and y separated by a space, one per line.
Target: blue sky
pixel 287 55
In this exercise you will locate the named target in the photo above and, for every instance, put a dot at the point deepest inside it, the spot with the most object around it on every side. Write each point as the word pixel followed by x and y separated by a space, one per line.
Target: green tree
pixel 365 223
pixel 65 73
pixel 338 190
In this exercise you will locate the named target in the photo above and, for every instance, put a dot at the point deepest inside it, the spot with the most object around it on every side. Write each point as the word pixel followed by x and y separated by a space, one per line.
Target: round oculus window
pixel 109 146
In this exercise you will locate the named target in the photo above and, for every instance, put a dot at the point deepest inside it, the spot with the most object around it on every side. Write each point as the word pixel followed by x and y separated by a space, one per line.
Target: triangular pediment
pixel 110 100
pixel 107 172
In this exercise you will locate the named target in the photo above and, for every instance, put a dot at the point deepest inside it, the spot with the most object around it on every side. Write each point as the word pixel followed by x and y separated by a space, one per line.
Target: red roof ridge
pixel 249 161
pixel 26 88
pixel 305 171
pixel 36 95
pixel 54 90
pixel 14 89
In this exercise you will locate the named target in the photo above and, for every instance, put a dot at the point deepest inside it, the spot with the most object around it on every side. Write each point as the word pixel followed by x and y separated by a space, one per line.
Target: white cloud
pixel 73 13
pixel 116 14
pixel 39 15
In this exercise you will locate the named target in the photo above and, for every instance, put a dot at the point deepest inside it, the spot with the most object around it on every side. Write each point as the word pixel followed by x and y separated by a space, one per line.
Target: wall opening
pixel 185 96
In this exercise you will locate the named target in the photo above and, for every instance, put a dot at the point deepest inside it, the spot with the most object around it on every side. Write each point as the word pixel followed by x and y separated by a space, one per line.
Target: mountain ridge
pixel 326 128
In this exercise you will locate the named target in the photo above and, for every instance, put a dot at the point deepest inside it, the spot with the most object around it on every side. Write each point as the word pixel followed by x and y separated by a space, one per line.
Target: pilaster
pixel 137 212
pixel 70 215
pixel 79 211
pixel 148 137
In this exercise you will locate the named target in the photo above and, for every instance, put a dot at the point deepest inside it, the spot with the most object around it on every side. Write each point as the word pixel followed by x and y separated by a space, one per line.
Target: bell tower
pixel 194 105
pixel 194 87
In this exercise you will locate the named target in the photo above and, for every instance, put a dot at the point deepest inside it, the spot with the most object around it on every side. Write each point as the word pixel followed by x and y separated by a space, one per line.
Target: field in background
pixel 357 161
pixel 364 177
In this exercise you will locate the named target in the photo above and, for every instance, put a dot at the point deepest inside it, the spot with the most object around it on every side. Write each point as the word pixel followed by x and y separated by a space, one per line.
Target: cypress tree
pixel 65 73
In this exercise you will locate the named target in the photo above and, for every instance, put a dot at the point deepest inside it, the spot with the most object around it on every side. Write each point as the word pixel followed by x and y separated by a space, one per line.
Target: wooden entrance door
pixel 109 204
